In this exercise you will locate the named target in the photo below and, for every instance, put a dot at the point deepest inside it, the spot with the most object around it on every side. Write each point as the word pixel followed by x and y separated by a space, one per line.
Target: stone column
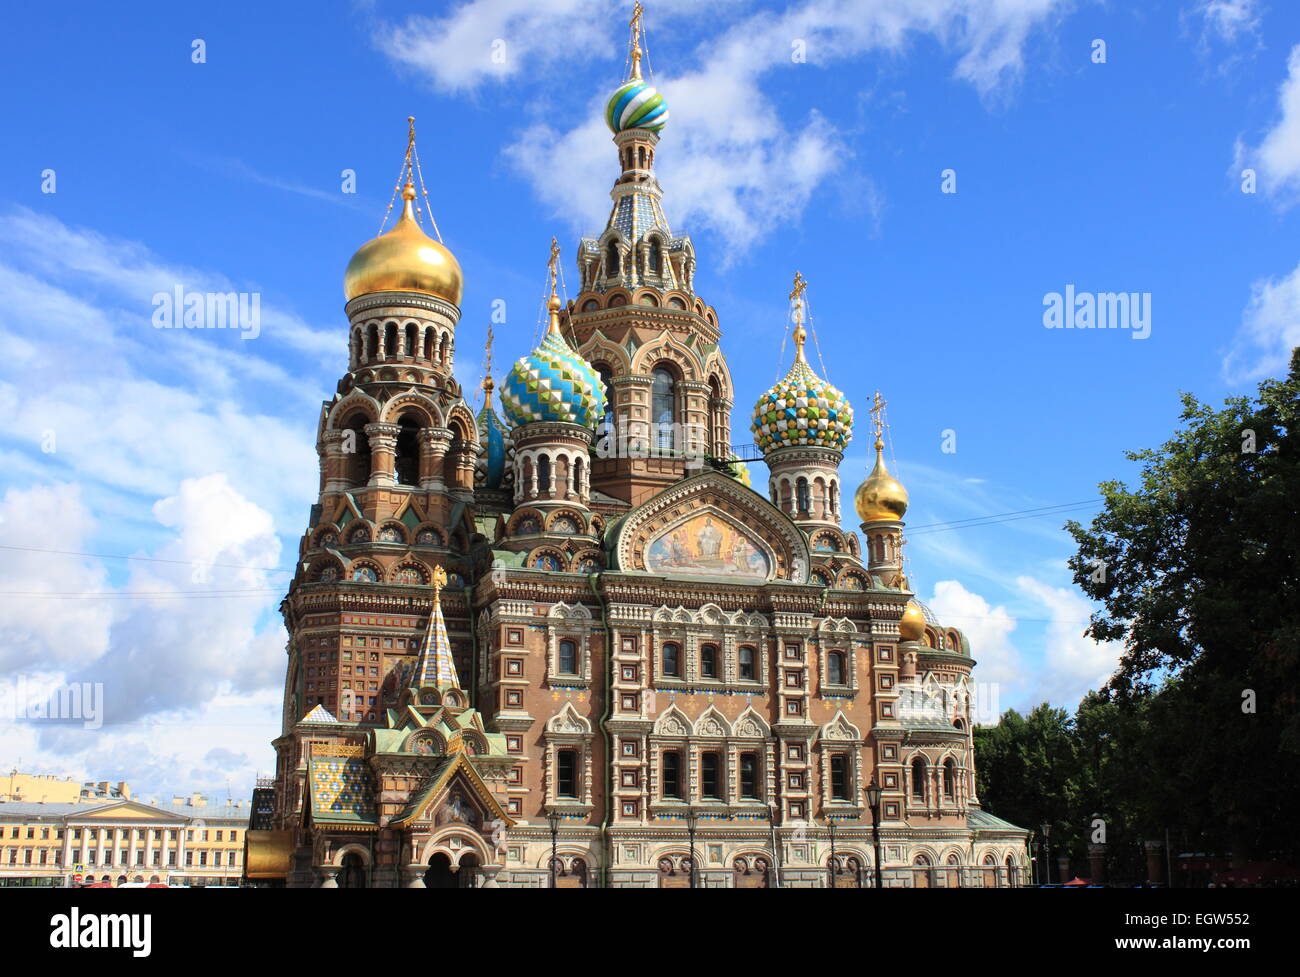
pixel 383 451
pixel 434 442
pixel 335 464
pixel 413 876
pixel 490 873
pixel 328 876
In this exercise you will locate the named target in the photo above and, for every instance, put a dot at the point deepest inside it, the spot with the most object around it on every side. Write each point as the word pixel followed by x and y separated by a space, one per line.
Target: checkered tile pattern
pixel 553 383
pixel 341 787
pixel 803 409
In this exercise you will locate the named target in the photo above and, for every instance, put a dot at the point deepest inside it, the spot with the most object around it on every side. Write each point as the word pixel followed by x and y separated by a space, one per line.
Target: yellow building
pixel 187 842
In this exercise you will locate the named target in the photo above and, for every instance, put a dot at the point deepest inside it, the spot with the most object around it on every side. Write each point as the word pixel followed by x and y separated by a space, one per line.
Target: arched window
pixel 918 777
pixel 356 451
pixel 749 776
pixel 710 781
pixel 543 473
pixel 803 496
pixel 406 462
pixel 672 659
pixel 656 258
pixel 390 340
pixel 611 259
pixel 840 777
pixel 672 774
pixel 716 420
pixel 709 661
pixel 568 657
pixel 835 668
pixel 663 408
pixel 606 384
pixel 949 778
pixel 412 348
pixel 835 499
pixel 748 664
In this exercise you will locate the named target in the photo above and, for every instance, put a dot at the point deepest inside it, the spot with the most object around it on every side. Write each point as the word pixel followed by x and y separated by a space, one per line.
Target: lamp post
pixel 835 865
pixel 691 819
pixel 1047 853
pixel 553 819
pixel 776 851
pixel 872 790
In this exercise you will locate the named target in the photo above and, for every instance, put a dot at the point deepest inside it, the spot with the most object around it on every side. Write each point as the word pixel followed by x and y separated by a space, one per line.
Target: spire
pixel 800 334
pixel 553 303
pixel 435 665
pixel 878 424
pixel 409 173
pixel 488 385
pixel 635 41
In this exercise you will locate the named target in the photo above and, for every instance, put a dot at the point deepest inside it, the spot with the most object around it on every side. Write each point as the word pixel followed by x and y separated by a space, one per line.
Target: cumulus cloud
pixel 998 668
pixel 1072 663
pixel 1277 157
pixel 730 144
pixel 1270 329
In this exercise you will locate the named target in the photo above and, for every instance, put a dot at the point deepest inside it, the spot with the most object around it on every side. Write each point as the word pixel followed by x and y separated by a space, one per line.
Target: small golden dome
pixel 912 625
pixel 404 259
pixel 881 498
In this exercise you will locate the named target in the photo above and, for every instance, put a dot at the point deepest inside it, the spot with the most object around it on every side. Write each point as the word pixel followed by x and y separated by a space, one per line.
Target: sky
pixel 1150 149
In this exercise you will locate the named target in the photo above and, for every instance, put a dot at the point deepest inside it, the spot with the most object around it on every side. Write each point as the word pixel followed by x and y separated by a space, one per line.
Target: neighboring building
pixel 187 842
pixel 505 637
pixel 48 789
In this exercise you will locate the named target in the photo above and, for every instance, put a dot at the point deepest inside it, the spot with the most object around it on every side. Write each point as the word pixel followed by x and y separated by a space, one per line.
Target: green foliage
pixel 1202 584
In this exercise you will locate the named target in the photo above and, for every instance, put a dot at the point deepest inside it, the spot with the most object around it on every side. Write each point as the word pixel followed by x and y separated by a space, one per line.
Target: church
pixel 561 641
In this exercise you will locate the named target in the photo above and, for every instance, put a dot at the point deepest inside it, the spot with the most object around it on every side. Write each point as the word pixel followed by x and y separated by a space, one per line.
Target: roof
pixel 342 790
pixel 204 812
pixel 983 820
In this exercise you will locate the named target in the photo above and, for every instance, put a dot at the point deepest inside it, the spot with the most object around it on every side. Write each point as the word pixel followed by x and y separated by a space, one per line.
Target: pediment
pixel 456 794
pixel 712 525
pixel 132 811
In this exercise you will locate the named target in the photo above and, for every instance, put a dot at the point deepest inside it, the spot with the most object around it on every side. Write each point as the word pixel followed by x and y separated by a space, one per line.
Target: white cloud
pixel 1072 663
pixel 988 629
pixel 1277 157
pixel 1224 23
pixel 1270 329
pixel 735 166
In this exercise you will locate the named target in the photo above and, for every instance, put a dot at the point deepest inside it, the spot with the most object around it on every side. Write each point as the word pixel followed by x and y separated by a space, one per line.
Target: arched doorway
pixel 468 876
pixel 953 872
pixel 749 873
pixel 352 872
pixel 921 872
pixel 440 875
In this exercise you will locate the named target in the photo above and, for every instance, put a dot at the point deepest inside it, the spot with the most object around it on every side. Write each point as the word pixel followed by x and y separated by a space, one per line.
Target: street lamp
pixel 776 851
pixel 1047 852
pixel 691 819
pixel 553 819
pixel 872 790
pixel 835 865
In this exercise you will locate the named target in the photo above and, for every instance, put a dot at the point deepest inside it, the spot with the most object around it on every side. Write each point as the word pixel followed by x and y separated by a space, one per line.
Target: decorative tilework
pixel 636 105
pixel 553 383
pixel 802 409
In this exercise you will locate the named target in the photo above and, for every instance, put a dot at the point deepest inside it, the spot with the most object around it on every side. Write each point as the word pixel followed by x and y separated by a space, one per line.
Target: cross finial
pixel 800 334
pixel 635 25
pixel 553 303
pixel 439 581
pixel 410 147
pixel 554 263
pixel 487 368
pixel 877 420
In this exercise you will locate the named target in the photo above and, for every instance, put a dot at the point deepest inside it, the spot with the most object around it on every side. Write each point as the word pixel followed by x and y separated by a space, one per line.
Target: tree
pixel 1198 573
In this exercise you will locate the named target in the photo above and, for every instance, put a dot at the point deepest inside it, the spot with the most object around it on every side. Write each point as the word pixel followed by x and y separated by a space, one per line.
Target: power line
pixel 1002 518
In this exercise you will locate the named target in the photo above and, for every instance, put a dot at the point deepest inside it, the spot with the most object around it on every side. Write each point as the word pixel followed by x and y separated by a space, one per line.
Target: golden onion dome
pixel 881 498
pixel 912 625
pixel 404 259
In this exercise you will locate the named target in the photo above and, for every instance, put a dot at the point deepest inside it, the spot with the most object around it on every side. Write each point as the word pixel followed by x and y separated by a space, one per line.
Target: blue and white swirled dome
pixel 636 105
pixel 553 383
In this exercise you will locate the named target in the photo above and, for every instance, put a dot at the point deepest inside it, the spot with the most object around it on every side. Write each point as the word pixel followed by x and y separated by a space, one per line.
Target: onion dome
pixel 553 382
pixel 636 105
pixel 881 498
pixel 492 467
pixel 912 625
pixel 802 409
pixel 404 259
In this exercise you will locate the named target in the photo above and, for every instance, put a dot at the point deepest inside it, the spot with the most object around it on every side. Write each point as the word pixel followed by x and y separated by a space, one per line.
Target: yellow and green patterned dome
pixel 802 409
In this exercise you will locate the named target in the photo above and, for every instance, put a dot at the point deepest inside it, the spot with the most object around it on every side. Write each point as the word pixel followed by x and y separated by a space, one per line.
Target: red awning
pixel 1077 881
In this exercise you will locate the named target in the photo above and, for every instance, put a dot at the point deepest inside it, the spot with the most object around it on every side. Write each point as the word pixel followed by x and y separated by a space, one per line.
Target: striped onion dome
pixel 636 105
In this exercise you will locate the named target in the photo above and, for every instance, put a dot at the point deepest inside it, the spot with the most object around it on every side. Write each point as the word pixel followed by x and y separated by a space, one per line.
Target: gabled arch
pixel 750 725
pixel 712 724
pixel 839 730
pixel 413 401
pixel 356 401
pixel 568 721
pixel 672 722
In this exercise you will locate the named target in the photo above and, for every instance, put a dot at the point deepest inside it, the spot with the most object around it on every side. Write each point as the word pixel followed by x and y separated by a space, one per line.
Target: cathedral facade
pixel 565 643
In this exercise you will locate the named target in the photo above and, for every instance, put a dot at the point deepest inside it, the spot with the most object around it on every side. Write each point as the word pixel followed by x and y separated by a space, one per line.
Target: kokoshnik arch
pixel 504 644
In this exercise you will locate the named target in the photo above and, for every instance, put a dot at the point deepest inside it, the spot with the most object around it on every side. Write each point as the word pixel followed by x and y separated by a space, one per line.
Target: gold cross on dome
pixel 554 263
pixel 877 419
pixel 635 25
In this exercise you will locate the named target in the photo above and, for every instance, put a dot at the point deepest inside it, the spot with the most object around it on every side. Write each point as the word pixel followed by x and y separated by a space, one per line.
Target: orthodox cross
pixel 877 419
pixel 635 24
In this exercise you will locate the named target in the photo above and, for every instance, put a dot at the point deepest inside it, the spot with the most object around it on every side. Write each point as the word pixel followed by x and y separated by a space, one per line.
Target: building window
pixel 566 781
pixel 918 778
pixel 663 406
pixel 749 776
pixel 672 659
pixel 835 668
pixel 840 777
pixel 709 661
pixel 568 657
pixel 748 666
pixel 606 385
pixel 710 782
pixel 611 259
pixel 543 473
pixel 672 774
pixel 949 778
pixel 804 499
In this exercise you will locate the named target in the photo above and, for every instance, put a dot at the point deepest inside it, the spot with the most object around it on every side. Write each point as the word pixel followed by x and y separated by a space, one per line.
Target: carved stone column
pixel 335 463
pixel 328 876
pixel 383 453
pixel 434 442
pixel 489 873
pixel 413 876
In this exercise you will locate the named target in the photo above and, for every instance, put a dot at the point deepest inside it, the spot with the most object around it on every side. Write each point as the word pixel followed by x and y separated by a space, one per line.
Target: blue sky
pixel 197 447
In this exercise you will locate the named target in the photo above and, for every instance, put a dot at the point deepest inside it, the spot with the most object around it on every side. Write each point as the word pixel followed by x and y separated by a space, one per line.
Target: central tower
pixel 638 320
